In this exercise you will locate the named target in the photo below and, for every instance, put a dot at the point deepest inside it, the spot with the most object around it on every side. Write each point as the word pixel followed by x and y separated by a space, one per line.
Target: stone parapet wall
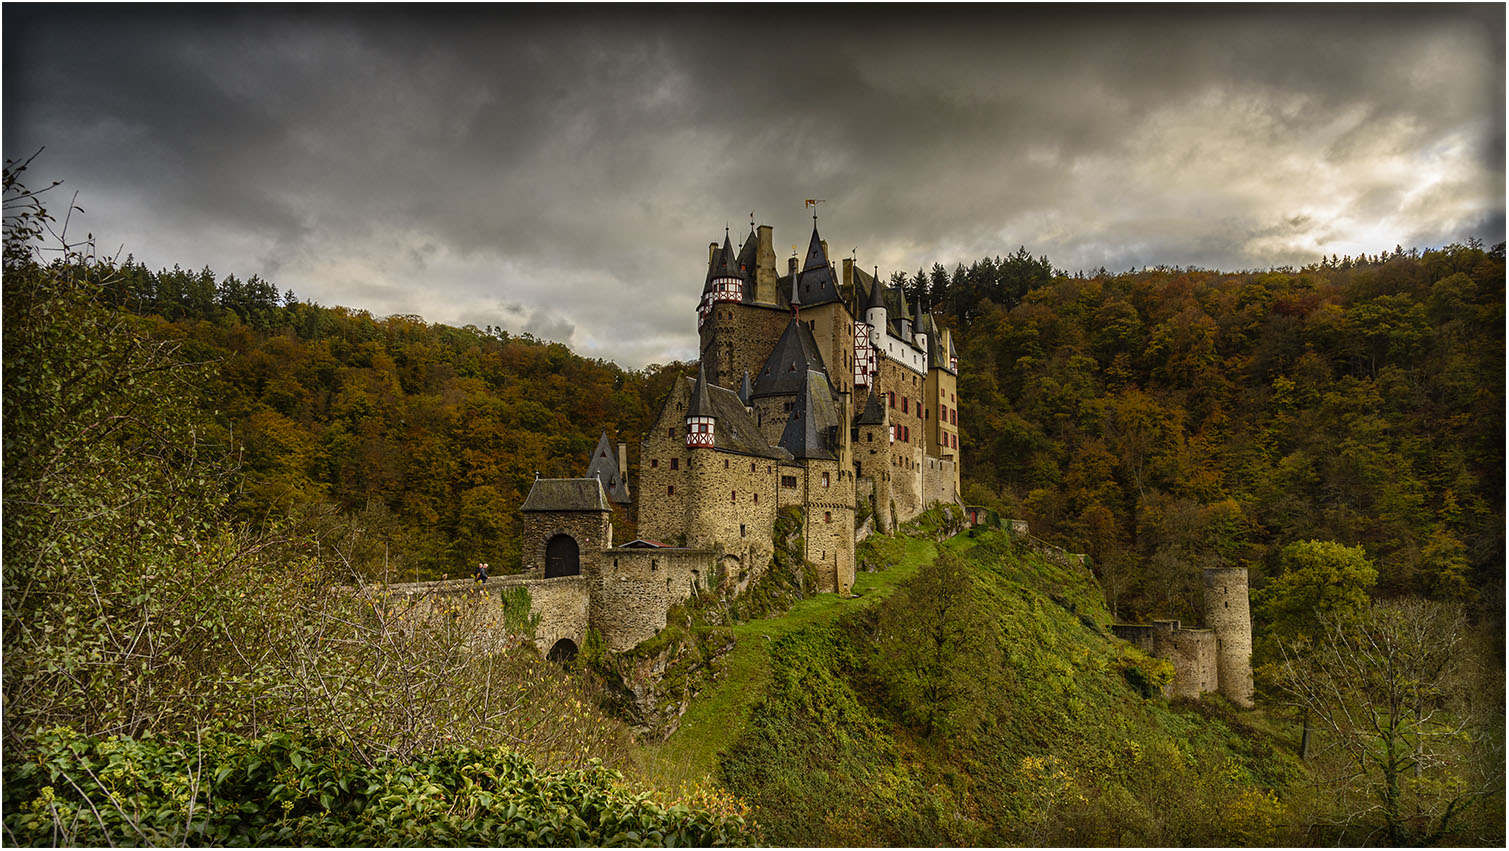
pixel 562 604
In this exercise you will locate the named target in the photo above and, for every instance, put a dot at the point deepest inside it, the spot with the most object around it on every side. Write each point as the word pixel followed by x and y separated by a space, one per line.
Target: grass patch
pixel 720 714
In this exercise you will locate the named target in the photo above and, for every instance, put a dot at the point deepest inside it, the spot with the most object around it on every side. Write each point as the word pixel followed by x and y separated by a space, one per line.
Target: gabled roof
pixel 604 468
pixel 566 495
pixel 793 356
pixel 735 430
pixel 812 420
pixel 874 412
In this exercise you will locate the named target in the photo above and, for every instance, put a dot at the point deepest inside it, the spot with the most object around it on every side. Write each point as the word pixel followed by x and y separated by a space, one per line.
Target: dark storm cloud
pixel 560 170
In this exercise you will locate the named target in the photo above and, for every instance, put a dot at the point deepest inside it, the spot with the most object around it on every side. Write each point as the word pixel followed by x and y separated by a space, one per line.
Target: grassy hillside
pixel 818 720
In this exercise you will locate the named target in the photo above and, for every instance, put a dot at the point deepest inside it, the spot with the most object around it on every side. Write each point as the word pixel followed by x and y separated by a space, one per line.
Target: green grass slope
pixel 1011 718
pixel 720 713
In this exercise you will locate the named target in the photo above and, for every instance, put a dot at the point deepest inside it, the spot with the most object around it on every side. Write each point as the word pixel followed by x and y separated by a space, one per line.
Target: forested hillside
pixel 1165 420
pixel 426 436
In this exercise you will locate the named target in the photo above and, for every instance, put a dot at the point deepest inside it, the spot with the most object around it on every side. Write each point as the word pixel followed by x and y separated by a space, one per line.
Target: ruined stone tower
pixel 1227 613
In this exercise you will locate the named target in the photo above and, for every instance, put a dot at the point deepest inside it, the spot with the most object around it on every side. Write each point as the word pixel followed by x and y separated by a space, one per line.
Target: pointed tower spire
pixel 746 390
pixel 700 420
pixel 877 293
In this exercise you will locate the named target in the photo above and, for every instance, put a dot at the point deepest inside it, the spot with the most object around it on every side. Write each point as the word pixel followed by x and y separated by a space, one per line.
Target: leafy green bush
pixel 289 789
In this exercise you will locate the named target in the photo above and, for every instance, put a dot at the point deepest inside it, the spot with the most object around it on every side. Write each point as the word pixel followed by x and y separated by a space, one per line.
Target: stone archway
pixel 562 557
pixel 562 651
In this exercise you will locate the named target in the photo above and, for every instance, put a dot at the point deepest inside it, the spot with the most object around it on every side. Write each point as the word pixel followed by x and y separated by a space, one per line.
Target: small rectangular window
pixel 827 517
pixel 825 480
pixel 788 481
pixel 670 490
pixel 670 432
pixel 675 463
pixel 741 530
pixel 725 463
pixel 733 496
pixel 654 462
pixel 757 499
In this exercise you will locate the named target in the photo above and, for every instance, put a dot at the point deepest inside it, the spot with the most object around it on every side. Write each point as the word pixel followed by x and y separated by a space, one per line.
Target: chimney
pixel 765 274
pixel 712 251
pixel 848 271
pixel 825 246
pixel 623 461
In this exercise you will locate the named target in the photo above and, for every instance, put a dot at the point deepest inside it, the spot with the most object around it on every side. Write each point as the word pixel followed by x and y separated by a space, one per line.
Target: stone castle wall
pixel 1218 658
pixel 735 506
pixel 739 337
pixel 939 481
pixel 634 588
pixel 829 532
pixel 941 393
pixel 664 486
pixel 905 389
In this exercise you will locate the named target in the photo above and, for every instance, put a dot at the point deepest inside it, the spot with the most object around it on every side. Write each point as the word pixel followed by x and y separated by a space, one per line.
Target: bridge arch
pixel 562 651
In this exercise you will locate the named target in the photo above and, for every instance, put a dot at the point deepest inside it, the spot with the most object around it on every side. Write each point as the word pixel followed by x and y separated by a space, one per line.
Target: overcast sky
pixel 561 171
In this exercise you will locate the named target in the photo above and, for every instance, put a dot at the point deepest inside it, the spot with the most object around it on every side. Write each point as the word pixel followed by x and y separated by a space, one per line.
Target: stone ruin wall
pixel 1193 653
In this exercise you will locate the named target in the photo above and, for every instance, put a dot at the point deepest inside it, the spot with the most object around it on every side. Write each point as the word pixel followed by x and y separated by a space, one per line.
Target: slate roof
pixel 812 421
pixel 566 495
pixel 877 293
pixel 749 254
pixel 700 405
pixel 604 468
pixel 746 390
pixel 724 264
pixel 734 429
pixel 793 356
pixel 873 413
pixel 815 283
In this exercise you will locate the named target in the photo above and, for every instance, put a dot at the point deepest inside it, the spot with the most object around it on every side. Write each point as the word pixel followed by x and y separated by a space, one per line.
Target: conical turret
pixel 700 420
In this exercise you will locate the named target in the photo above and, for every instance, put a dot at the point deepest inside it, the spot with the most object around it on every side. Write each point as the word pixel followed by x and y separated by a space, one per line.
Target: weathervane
pixel 811 202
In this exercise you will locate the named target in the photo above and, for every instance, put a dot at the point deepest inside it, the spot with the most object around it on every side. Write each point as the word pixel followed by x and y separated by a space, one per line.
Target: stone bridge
pixel 562 603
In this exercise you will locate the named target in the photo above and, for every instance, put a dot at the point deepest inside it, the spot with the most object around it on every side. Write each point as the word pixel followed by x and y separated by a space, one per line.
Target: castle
pixel 821 389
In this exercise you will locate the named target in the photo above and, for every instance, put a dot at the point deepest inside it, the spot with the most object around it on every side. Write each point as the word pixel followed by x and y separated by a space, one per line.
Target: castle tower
pixel 701 439
pixel 1227 613
pixel 700 422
